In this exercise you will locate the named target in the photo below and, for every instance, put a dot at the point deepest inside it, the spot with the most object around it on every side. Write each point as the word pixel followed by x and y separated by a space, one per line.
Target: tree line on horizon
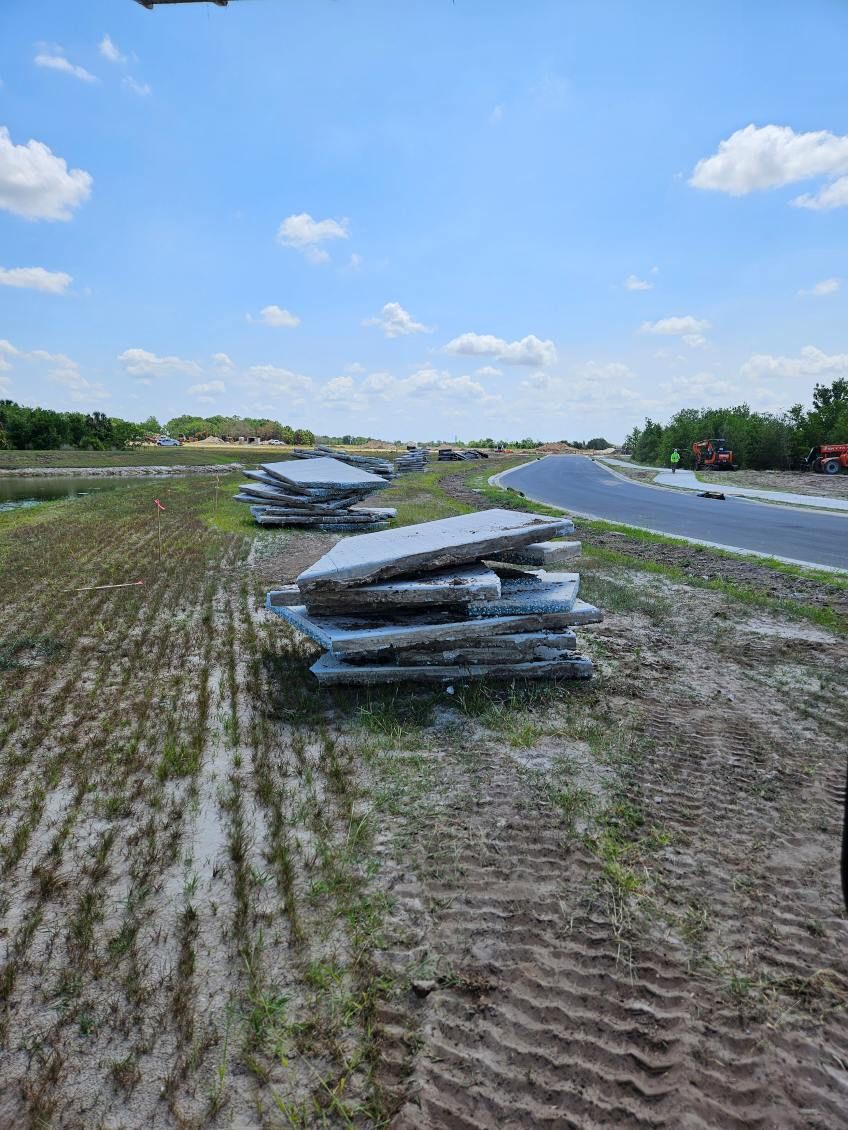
pixel 43 429
pixel 759 440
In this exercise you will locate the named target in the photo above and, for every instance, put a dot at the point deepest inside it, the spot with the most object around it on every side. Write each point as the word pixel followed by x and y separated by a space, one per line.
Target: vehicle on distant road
pixel 827 458
pixel 166 441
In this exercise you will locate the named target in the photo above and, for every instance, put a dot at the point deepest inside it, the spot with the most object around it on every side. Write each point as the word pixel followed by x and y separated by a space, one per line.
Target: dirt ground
pixel 796 482
pixel 827 486
pixel 228 899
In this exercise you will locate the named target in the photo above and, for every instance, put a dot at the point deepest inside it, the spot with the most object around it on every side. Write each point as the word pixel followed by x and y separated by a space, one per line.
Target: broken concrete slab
pixel 284 596
pixel 375 511
pixel 267 516
pixel 540 591
pixel 323 473
pixel 342 634
pixel 462 585
pixel 330 671
pixel 542 553
pixel 514 648
pixel 428 546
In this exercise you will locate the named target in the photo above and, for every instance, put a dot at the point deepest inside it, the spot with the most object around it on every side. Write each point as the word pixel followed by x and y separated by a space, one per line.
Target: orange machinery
pixel 712 455
pixel 827 458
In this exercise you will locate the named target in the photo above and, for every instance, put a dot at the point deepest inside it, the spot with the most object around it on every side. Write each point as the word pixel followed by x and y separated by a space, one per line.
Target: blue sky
pixel 422 219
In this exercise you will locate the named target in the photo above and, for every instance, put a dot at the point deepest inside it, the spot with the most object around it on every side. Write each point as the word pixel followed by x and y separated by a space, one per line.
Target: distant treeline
pixel 236 427
pixel 759 440
pixel 42 429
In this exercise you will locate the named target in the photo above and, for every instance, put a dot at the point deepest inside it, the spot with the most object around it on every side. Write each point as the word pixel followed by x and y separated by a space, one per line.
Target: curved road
pixel 576 484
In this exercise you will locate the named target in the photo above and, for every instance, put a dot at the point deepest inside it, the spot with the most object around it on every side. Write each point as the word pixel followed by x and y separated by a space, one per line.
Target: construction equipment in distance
pixel 827 458
pixel 149 4
pixel 713 455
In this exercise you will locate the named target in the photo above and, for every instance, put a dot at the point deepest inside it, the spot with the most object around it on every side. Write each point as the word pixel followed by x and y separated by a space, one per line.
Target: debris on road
pixel 444 600
pixel 319 492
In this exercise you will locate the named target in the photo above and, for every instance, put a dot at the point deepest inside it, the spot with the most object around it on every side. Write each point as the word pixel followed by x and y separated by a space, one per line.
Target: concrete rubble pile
pixel 372 463
pixel 415 459
pixel 448 455
pixel 442 601
pixel 321 493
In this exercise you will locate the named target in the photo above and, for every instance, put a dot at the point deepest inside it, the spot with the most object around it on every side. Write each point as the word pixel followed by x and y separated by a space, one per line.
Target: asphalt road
pixel 578 485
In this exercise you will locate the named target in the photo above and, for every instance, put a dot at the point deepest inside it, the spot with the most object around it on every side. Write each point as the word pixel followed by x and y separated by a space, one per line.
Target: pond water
pixel 19 492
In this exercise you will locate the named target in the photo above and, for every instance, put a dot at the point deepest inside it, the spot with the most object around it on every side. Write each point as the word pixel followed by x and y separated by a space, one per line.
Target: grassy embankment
pixel 191 455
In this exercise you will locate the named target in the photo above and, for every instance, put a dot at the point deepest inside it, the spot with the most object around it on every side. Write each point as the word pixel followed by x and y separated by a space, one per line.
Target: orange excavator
pixel 713 455
pixel 827 458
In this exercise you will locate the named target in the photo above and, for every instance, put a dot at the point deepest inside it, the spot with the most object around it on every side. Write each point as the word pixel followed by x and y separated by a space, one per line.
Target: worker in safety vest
pixel 675 459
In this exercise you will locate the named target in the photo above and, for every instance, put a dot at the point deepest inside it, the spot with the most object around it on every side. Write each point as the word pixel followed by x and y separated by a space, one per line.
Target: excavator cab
pixel 713 455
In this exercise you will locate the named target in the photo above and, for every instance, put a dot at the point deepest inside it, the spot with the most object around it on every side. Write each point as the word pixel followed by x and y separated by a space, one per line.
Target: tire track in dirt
pixel 721 1002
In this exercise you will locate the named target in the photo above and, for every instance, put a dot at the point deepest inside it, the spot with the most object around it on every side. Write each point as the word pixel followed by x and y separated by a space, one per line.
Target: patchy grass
pixel 226 894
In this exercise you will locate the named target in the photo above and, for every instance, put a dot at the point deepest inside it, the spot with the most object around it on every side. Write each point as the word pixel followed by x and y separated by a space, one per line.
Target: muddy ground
pixel 230 900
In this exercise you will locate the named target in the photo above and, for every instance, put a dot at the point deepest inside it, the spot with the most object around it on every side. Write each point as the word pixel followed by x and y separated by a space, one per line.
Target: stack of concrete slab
pixel 322 493
pixel 443 601
pixel 448 455
pixel 413 460
pixel 372 463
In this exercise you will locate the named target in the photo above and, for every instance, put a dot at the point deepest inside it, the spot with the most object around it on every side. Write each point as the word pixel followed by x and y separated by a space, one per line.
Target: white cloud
pixel 487 371
pixel 207 389
pixel 394 321
pixel 676 325
pixel 609 371
pixel 142 89
pixel 6 384
pixel 496 114
pixel 36 184
pixel 354 367
pixel 57 62
pixel 110 51
pixel 826 286
pixel 833 195
pixel 222 360
pixel 35 278
pixel 141 363
pixel 689 329
pixel 271 381
pixel 697 386
pixel 771 156
pixel 305 234
pixel 58 368
pixel 810 362
pixel 275 316
pixel 338 389
pixel 82 391
pixel 633 282
pixel 355 262
pixel 528 351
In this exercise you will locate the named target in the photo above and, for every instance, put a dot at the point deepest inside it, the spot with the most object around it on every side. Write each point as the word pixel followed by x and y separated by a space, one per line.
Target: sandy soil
pixel 711 995
pixel 827 486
